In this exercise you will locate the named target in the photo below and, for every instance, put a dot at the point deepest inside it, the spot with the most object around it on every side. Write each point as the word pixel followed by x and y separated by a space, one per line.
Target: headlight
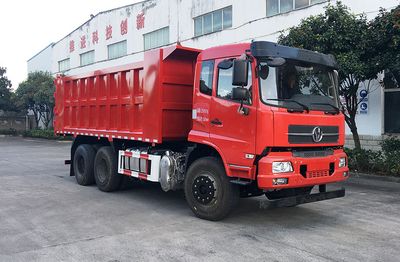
pixel 342 162
pixel 281 167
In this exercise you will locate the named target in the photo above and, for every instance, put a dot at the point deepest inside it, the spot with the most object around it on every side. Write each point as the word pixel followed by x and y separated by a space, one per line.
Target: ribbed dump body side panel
pixel 147 101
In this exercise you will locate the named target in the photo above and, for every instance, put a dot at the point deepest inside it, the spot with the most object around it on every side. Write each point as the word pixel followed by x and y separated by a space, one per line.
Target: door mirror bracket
pixel 243 110
pixel 241 94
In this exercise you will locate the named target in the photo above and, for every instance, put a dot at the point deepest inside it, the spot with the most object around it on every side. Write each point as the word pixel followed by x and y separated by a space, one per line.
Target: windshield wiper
pixel 306 108
pixel 337 110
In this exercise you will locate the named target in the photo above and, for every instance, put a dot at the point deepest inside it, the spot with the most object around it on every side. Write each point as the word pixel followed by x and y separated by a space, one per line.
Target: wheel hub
pixel 81 164
pixel 102 170
pixel 203 189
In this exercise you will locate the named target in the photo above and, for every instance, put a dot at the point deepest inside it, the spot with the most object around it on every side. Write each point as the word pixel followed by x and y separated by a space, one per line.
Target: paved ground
pixel 46 216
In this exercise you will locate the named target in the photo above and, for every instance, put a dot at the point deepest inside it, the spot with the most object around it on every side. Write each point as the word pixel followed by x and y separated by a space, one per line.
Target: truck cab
pixel 273 114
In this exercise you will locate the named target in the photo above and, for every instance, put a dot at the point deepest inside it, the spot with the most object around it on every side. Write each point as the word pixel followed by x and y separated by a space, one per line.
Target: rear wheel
pixel 105 170
pixel 208 191
pixel 83 163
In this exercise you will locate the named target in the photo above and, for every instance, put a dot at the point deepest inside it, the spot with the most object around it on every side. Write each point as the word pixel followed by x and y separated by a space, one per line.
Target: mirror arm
pixel 243 110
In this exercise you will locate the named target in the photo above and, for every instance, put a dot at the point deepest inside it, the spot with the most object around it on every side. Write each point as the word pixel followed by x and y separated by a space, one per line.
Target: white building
pixel 119 36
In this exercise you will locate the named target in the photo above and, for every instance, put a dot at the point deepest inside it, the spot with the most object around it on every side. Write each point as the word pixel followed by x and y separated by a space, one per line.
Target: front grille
pixel 312 153
pixel 317 173
pixel 303 134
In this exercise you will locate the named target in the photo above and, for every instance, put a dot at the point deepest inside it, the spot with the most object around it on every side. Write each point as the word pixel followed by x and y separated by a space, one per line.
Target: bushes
pixel 40 133
pixel 35 133
pixel 361 160
pixel 391 151
pixel 386 161
pixel 9 132
pixel 43 133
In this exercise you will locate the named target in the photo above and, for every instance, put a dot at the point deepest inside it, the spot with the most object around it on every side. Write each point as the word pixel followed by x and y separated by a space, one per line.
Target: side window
pixel 206 77
pixel 225 86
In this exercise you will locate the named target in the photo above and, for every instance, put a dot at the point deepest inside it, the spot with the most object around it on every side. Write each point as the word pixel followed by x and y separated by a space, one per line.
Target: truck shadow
pixel 173 203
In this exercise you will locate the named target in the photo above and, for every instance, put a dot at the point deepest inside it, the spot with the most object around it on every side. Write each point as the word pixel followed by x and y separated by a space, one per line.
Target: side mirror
pixel 204 88
pixel 240 94
pixel 225 64
pixel 240 72
pixel 263 71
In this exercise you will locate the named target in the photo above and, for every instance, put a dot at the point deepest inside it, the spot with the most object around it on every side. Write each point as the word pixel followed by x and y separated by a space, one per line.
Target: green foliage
pixel 9 132
pixel 6 96
pixel 362 160
pixel 391 151
pixel 37 94
pixel 337 32
pixel 44 133
pixel 347 36
pixel 385 34
pixel 34 133
pixel 384 162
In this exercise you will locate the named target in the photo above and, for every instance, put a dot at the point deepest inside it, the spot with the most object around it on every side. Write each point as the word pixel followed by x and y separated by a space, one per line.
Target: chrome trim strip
pixel 310 134
pixel 244 167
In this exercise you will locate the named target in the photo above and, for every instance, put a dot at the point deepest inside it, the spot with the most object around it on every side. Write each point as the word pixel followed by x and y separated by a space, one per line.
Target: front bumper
pixel 302 199
pixel 306 171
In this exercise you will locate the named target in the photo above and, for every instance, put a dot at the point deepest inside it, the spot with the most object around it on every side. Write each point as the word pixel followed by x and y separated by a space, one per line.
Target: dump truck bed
pixel 148 101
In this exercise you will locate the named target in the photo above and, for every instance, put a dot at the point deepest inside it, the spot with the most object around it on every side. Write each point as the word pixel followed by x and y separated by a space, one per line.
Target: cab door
pixel 230 130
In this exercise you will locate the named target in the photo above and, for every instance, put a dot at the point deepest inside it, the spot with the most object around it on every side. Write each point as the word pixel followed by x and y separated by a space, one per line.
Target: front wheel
pixel 208 191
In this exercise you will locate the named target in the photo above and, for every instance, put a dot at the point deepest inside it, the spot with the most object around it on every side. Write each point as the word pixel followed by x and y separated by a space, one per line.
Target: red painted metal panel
pixel 295 179
pixel 149 101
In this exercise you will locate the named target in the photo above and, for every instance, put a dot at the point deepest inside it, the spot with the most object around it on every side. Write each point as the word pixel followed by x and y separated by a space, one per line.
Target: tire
pixel 216 196
pixel 105 170
pixel 83 164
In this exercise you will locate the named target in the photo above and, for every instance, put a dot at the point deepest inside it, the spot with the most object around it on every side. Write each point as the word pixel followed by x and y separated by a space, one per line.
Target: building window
pixel 391 79
pixel 156 38
pixel 391 82
pixel 392 110
pixel 317 1
pixel 282 6
pixel 213 22
pixel 117 50
pixel 63 65
pixel 87 58
pixel 286 5
pixel 206 77
pixel 301 3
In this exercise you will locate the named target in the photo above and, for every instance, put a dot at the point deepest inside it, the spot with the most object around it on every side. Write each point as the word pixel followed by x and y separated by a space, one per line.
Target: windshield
pixel 298 85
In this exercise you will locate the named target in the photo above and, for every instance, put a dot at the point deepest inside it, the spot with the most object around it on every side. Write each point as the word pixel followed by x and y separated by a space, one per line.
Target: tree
pixel 339 32
pixel 36 94
pixel 5 91
pixel 45 99
pixel 386 41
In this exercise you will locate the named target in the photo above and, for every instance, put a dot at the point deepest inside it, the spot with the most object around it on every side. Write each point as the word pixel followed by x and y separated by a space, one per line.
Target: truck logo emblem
pixel 317 134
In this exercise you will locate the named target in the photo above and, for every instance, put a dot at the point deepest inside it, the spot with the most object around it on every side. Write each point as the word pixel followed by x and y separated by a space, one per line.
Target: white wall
pixel 42 61
pixel 249 23
pixel 371 123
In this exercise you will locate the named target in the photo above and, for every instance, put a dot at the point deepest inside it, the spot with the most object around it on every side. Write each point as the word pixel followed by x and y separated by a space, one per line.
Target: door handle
pixel 216 122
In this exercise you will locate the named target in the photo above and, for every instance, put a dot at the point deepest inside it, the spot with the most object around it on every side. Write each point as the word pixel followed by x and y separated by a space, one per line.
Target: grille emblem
pixel 317 134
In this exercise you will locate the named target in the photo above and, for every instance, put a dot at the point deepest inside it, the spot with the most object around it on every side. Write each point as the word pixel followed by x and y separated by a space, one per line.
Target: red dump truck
pixel 232 121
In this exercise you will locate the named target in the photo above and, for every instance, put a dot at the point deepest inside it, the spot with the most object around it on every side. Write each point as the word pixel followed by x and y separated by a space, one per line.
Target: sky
pixel 29 26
